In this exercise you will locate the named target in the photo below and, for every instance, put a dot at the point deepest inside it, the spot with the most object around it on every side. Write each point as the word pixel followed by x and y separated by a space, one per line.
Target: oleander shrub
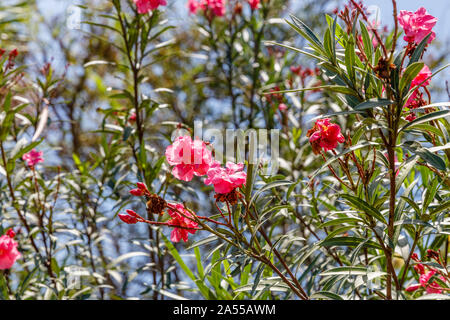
pixel 222 149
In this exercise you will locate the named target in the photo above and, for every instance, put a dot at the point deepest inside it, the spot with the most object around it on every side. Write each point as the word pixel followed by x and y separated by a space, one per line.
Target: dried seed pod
pixel 155 204
pixel 231 197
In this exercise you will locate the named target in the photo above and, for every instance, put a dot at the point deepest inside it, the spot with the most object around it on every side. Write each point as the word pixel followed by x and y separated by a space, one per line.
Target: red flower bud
pixel 128 219
pixel 137 192
pixel 132 213
pixel 142 186
pixel 10 233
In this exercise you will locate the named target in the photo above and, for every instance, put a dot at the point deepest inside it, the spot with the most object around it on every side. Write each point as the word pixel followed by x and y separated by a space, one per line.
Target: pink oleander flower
pixel 417 25
pixel 33 157
pixel 226 179
pixel 144 6
pixel 8 250
pixel 325 135
pixel 282 107
pixel 410 103
pixel 254 4
pixel 216 7
pixel 178 219
pixel 193 6
pixel 130 217
pixel 424 278
pixel 423 76
pixel 188 157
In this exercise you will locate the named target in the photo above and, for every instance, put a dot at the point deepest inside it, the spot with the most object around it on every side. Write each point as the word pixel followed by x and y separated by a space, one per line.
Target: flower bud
pixel 137 192
pixel 128 219
pixel 10 233
pixel 132 213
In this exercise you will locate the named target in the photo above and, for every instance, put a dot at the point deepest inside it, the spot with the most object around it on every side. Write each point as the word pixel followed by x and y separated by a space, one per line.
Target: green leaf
pixel 426 118
pixel 364 206
pixel 334 88
pixel 327 44
pixel 427 129
pixel 340 35
pixel 350 271
pixel 349 242
pixel 410 73
pixel 268 186
pixel 309 54
pixel 419 50
pixel 373 103
pixel 431 158
pixel 325 295
pixel 203 242
pixel 198 257
pixel 206 292
pixel 3 288
pixel 367 42
pixel 404 171
pixel 350 57
pixel 442 207
pixel 340 221
pixel 306 32
pixel 26 282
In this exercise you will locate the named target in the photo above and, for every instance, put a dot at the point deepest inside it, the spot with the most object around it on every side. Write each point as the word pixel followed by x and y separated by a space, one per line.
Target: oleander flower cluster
pixel 189 158
pixel 417 25
pixel 8 250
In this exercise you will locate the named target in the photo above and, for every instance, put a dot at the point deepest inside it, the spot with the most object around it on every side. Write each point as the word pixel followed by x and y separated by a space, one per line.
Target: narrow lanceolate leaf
pixel 328 45
pixel 442 207
pixel 174 252
pixel 334 88
pixel 43 117
pixel 426 118
pixel 358 203
pixel 431 158
pixel 349 242
pixel 367 42
pixel 419 50
pixel 436 104
pixel 410 73
pixel 309 54
pixel 351 271
pixel 350 57
pixel 373 103
pixel 404 171
pixel 306 32
pixel 325 295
